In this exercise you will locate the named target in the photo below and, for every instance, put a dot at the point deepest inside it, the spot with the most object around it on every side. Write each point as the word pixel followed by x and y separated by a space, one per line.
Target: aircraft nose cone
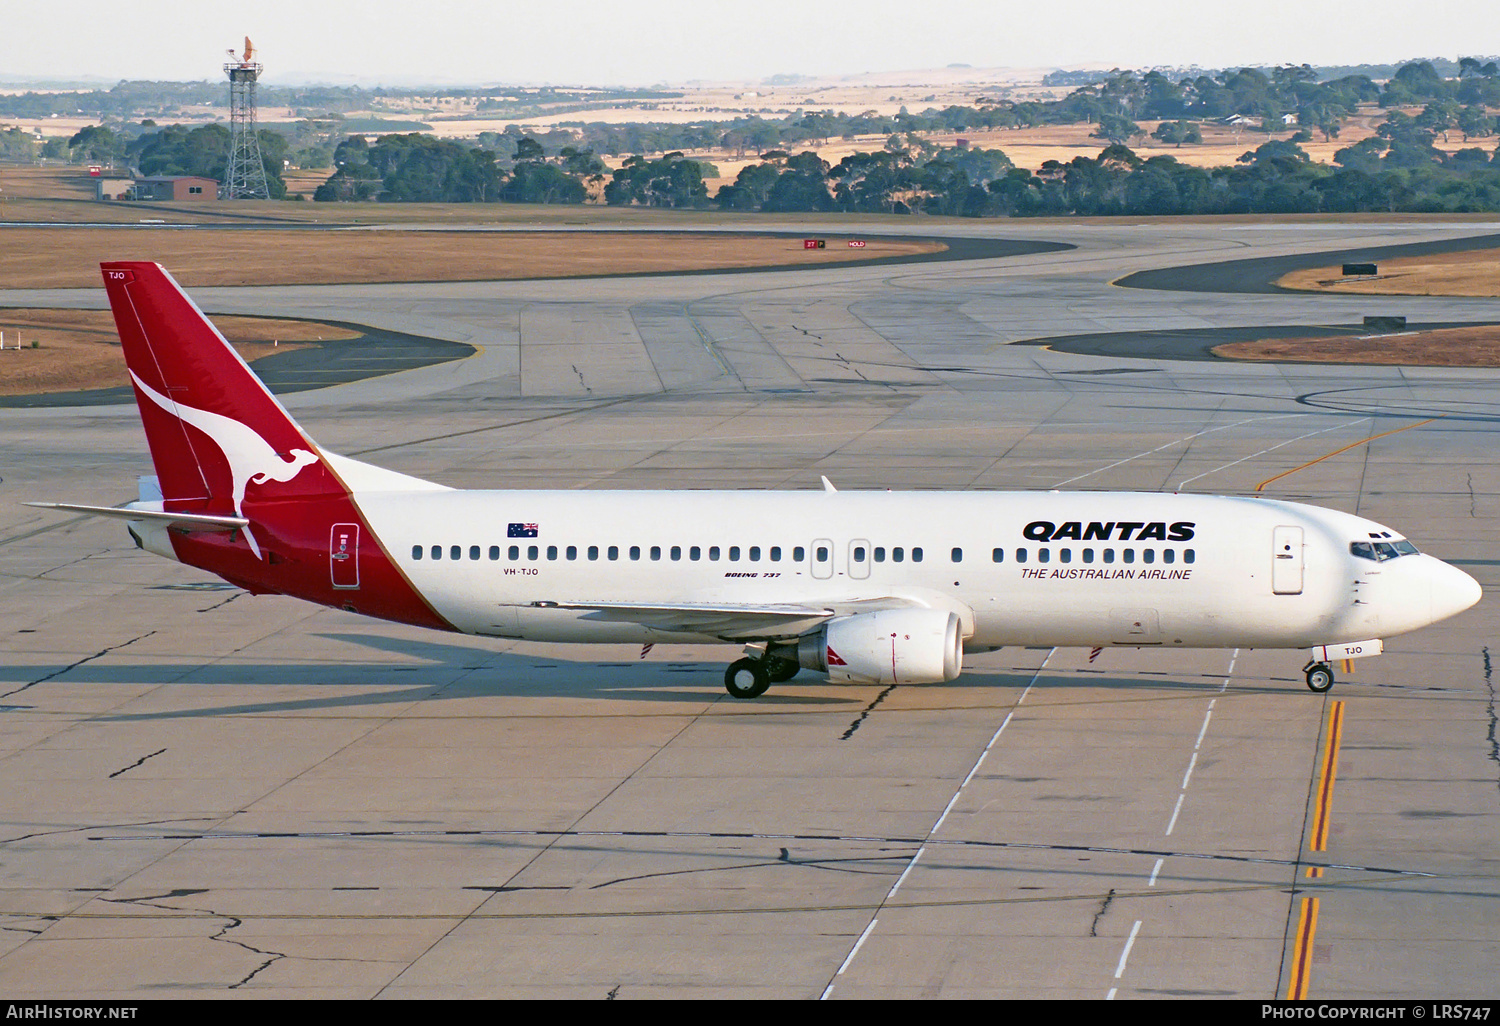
pixel 1453 591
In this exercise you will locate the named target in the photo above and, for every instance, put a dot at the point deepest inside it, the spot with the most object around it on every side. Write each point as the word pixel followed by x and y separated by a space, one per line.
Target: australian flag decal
pixel 521 531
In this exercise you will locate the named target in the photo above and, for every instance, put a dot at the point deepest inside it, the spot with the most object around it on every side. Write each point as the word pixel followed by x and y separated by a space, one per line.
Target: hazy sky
pixel 640 42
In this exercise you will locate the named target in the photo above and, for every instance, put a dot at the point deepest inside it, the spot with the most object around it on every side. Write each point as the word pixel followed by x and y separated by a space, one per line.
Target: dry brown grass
pixel 70 257
pixel 78 349
pixel 1469 273
pixel 1478 346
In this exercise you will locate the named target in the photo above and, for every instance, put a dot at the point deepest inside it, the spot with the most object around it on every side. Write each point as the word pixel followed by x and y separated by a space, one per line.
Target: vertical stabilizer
pixel 217 436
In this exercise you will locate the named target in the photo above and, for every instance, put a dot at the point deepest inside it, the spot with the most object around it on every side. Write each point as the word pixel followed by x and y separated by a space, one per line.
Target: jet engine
pixel 892 646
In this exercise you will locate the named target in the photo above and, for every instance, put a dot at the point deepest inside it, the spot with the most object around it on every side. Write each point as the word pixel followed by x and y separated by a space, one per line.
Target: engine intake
pixel 893 646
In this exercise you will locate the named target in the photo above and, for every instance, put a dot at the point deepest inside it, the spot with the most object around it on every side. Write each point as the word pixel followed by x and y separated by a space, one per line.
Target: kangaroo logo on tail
pixel 250 457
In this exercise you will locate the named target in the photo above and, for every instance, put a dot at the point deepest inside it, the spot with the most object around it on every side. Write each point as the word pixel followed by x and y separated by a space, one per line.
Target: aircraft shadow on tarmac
pixel 460 672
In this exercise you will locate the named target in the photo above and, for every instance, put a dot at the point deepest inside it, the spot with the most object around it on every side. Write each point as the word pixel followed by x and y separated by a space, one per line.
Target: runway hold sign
pixel 856 243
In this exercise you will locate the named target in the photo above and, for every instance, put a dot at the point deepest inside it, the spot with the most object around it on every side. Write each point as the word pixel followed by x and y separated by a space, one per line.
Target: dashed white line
pixel 1189 774
pixel 1175 810
pixel 941 819
pixel 1130 943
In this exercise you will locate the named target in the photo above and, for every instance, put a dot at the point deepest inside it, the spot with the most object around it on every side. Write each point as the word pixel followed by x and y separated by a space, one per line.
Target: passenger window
pixel 1043 555
pixel 531 552
pixel 614 552
pixel 437 552
pixel 494 552
pixel 551 551
pixel 473 551
pixel 572 552
pixel 1109 555
pixel 898 554
pixel 1088 555
pixel 416 552
pixel 822 553
pixel 456 552
pixel 859 553
pixel 1020 555
pixel 1065 556
pixel 998 556
pixel 916 555
pixel 1187 556
pixel 776 553
pixel 593 552
pixel 656 552
pixel 734 553
pixel 676 552
pixel 713 553
pixel 635 552
pixel 515 552
pixel 958 555
pixel 798 554
pixel 1128 555
pixel 755 553
pixel 695 553
pixel 880 553
pixel 1148 555
pixel 1168 555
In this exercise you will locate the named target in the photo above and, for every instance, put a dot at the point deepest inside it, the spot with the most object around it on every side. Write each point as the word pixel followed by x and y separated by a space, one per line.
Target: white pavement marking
pixel 1172 824
pixel 1289 441
pixel 1124 955
pixel 940 820
pixel 1179 441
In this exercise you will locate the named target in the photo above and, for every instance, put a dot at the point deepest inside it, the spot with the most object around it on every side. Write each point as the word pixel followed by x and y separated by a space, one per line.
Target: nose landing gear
pixel 1319 676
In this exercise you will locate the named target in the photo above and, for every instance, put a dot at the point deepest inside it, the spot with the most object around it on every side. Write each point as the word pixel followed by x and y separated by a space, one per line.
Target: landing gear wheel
pixel 746 678
pixel 780 670
pixel 1320 677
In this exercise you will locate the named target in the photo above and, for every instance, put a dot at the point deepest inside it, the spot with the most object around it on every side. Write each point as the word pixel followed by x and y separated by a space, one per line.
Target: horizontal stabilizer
pixel 202 521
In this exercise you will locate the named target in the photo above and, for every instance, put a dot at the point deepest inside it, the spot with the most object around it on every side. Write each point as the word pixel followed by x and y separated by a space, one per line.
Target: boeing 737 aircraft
pixel 874 587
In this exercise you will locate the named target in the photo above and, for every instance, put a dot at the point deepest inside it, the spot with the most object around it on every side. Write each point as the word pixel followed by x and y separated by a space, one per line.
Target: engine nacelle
pixel 892 646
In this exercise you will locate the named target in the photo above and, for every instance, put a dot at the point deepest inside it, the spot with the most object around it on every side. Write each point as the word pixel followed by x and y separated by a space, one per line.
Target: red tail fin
pixel 215 431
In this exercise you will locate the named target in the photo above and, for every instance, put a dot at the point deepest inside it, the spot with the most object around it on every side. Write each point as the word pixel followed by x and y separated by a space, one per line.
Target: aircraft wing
pixel 201 521
pixel 730 622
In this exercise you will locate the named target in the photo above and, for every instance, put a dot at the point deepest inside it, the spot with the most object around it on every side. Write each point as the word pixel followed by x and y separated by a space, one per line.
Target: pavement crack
pixel 865 714
pixel 217 605
pixel 96 826
pixel 1103 908
pixel 75 665
pixel 137 762
pixel 1494 734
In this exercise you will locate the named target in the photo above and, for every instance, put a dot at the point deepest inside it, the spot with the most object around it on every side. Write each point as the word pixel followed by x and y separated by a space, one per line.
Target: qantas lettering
pixel 1122 530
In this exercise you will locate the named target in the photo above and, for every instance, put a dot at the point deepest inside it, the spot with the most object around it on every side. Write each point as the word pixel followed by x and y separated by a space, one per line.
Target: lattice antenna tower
pixel 245 173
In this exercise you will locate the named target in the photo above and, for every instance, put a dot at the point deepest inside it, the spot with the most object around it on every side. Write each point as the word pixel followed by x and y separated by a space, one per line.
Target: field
pixel 1447 347
pixel 1471 273
pixel 70 257
pixel 78 349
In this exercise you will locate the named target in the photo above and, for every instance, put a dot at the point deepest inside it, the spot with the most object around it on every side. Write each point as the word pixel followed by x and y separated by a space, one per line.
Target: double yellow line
pixel 1307 921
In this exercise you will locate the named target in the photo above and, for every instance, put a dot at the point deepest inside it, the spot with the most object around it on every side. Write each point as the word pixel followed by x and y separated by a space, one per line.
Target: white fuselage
pixel 1073 568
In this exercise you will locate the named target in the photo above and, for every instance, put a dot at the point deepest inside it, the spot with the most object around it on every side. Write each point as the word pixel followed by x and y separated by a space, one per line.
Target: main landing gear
pixel 1319 676
pixel 749 678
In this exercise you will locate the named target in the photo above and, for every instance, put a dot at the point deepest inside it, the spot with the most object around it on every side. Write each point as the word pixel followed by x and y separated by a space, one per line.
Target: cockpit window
pixel 1380 551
